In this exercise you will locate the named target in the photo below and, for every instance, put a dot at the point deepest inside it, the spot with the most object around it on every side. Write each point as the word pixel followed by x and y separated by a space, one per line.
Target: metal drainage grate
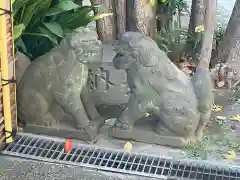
pixel 51 150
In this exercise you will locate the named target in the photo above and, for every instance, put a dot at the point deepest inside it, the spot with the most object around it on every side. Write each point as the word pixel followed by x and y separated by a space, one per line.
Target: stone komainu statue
pixel 51 86
pixel 182 106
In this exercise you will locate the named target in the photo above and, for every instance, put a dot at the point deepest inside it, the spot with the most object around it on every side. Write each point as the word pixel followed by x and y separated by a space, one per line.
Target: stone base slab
pixel 148 136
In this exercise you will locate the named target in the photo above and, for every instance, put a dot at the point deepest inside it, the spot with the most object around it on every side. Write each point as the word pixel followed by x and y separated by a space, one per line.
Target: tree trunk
pixel 120 10
pixel 229 49
pixel 129 15
pixel 196 19
pixel 161 22
pixel 209 26
pixel 197 15
pixel 106 27
pixel 141 17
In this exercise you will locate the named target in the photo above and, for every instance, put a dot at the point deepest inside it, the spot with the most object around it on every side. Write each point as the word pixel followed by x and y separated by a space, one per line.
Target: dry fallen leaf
pixel 186 65
pixel 235 118
pixel 216 108
pixel 128 147
pixel 220 83
pixel 230 155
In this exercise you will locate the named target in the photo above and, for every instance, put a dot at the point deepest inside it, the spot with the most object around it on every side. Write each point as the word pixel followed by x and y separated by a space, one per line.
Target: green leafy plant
pixel 173 42
pixel 172 37
pixel 39 25
pixel 218 34
pixel 166 9
pixel 199 149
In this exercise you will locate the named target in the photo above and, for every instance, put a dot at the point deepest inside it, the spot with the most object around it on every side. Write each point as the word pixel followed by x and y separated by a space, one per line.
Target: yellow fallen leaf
pixel 199 28
pixel 235 118
pixel 216 108
pixel 128 147
pixel 231 155
pixel 147 114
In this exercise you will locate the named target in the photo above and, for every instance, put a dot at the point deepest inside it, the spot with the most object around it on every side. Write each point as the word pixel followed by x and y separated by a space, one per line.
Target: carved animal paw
pixel 123 126
pixel 92 127
pixel 193 140
pixel 199 134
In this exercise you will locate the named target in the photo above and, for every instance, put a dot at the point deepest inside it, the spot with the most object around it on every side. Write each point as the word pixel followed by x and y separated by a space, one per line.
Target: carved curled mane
pixel 147 54
pixel 78 39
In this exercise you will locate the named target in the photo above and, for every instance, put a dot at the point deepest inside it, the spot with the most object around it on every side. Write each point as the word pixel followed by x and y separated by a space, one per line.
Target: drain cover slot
pixel 40 148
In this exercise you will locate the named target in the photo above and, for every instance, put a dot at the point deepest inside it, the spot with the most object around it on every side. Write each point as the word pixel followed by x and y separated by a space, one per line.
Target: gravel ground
pixel 20 169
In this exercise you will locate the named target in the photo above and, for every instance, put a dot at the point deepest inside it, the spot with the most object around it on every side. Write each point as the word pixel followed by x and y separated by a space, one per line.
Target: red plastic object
pixel 68 145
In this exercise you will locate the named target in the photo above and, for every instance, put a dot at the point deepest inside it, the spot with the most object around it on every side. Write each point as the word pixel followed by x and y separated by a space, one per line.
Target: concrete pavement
pixel 22 169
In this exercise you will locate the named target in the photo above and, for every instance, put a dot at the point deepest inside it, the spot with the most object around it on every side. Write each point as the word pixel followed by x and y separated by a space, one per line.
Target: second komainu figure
pixel 181 106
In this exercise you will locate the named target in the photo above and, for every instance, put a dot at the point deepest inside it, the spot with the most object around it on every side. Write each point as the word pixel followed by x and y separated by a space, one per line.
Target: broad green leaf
pixel 20 44
pixel 73 20
pixel 67 31
pixel 12 2
pixel 18 4
pixel 17 30
pixel 66 15
pixel 40 13
pixel 29 12
pixel 61 7
pixel 78 17
pixel 49 35
pixel 34 12
pixel 36 34
pixel 163 1
pixel 55 28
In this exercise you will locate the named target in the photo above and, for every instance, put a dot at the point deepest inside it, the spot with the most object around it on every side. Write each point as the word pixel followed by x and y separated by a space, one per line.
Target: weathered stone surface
pixel 109 86
pixel 48 94
pixel 22 63
pixel 202 83
pixel 159 88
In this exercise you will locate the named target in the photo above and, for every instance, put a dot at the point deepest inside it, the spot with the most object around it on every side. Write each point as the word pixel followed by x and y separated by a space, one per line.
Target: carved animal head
pixel 126 56
pixel 135 47
pixel 86 45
